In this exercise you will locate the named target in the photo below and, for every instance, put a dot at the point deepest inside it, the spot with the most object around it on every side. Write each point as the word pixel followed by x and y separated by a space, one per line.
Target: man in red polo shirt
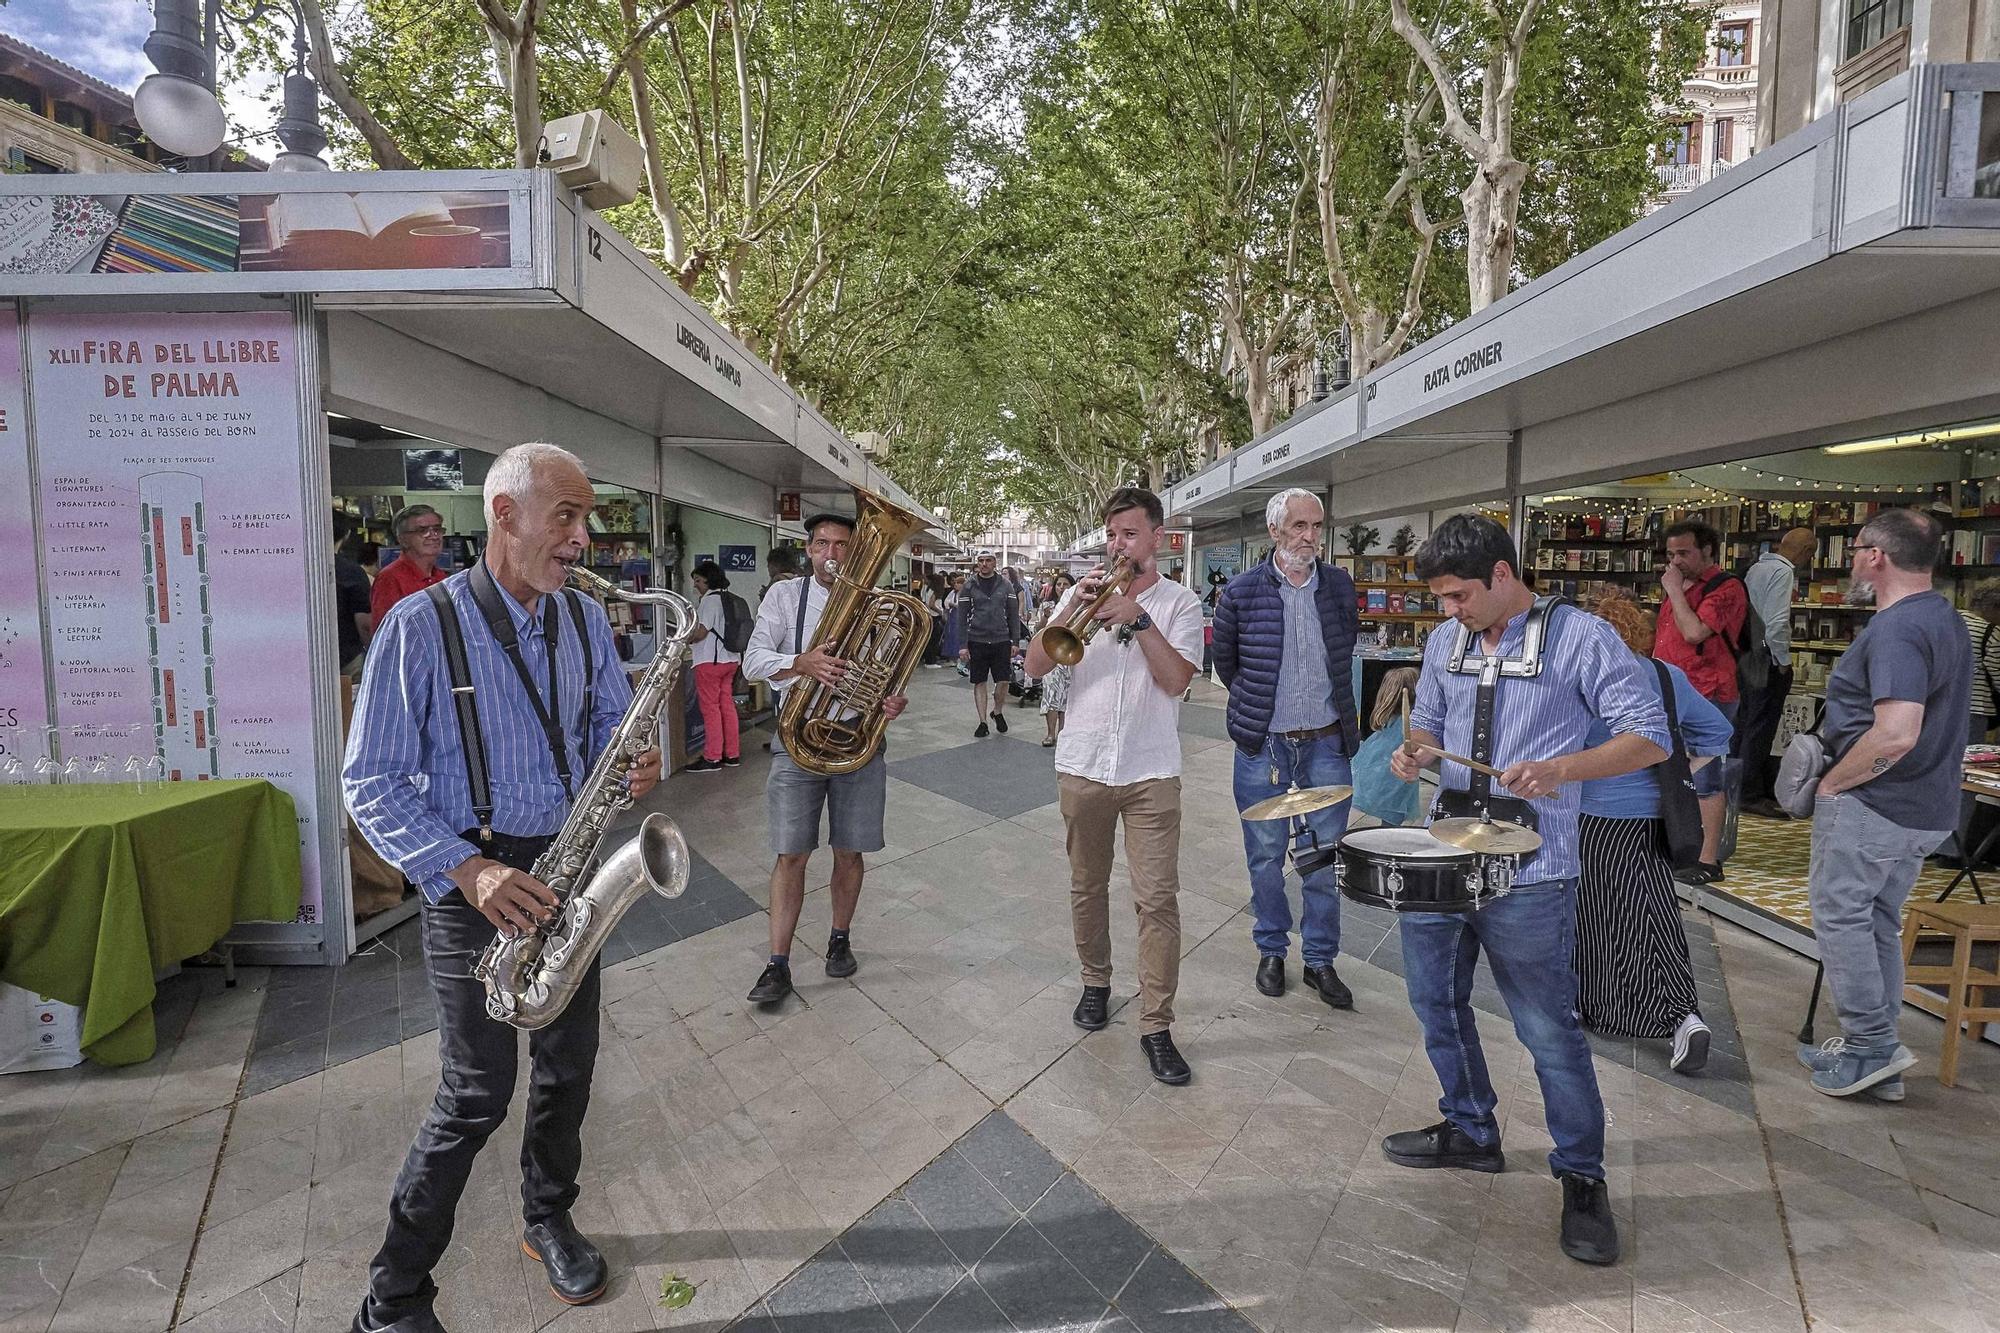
pixel 420 532
pixel 1701 631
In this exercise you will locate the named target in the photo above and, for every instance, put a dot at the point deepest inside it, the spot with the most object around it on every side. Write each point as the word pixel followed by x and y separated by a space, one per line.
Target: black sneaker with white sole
pixel 704 766
pixel 1000 722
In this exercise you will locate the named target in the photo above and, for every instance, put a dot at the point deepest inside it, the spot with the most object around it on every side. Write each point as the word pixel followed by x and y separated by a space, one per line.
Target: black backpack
pixel 1680 808
pixel 735 622
pixel 1753 650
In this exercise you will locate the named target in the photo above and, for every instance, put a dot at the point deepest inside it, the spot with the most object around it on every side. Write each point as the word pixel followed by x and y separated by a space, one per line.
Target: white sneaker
pixel 1690 1046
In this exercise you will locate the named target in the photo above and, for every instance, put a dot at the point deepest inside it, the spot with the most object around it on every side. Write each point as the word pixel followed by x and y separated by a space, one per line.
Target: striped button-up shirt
pixel 1587 675
pixel 1305 692
pixel 404 778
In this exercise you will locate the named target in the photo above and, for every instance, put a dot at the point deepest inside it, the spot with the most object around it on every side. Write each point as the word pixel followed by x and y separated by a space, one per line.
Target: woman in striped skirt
pixel 1631 954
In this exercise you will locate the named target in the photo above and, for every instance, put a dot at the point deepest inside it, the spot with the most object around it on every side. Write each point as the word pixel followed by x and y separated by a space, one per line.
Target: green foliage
pixel 1359 538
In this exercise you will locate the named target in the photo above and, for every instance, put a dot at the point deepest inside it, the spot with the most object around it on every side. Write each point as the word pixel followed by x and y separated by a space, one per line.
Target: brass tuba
pixel 1064 640
pixel 881 635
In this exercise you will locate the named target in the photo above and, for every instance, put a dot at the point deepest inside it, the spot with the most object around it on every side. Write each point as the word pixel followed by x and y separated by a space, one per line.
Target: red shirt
pixel 1710 665
pixel 397 581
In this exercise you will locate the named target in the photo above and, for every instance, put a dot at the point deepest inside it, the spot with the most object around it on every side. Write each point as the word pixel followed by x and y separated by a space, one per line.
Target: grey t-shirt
pixel 1915 651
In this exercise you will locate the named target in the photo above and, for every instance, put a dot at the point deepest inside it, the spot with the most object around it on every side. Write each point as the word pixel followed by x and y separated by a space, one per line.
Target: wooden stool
pixel 1967 924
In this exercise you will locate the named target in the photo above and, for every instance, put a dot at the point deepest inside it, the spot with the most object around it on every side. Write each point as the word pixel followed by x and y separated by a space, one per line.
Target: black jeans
pixel 1756 727
pixel 478 1057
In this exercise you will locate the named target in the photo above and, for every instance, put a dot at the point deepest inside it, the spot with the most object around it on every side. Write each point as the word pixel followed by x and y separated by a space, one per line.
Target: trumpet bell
pixel 1064 647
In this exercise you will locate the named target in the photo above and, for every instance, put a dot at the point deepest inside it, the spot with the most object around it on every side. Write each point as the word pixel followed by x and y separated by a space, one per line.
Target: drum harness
pixel 1478 800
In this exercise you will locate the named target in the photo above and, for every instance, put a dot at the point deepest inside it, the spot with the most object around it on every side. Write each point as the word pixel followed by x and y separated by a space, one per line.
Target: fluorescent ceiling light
pixel 1917 439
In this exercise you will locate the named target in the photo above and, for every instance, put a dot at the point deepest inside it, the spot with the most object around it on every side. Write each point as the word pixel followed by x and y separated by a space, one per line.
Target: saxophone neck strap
pixel 799 630
pixel 492 608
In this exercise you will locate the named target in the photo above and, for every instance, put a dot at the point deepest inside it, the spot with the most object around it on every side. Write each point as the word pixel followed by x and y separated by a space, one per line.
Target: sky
pixel 103 38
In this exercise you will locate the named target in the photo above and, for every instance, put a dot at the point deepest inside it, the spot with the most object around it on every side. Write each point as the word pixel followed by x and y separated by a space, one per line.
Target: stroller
pixel 1021 687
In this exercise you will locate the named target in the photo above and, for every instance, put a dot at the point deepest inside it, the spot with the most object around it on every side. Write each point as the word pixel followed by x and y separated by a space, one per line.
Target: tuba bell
pixel 880 634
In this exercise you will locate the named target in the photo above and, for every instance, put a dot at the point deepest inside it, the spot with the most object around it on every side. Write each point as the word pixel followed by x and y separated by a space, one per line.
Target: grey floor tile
pixel 902 1260
pixel 1035 1287
pixel 757 1319
pixel 1002 780
pixel 967 1213
pixel 1003 1152
pixel 828 1296
pixel 1096 1238
pixel 967 1309
pixel 352 1038
pixel 1164 1297
pixel 278 1065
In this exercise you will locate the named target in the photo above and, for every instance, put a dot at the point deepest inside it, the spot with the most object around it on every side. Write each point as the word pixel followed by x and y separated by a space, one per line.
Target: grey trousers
pixel 1863 867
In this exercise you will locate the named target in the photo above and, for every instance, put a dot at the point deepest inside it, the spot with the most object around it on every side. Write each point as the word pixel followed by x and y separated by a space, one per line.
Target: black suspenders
pixel 478 777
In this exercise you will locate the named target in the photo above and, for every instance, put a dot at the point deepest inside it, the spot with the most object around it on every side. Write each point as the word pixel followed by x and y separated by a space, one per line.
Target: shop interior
pixel 1590 541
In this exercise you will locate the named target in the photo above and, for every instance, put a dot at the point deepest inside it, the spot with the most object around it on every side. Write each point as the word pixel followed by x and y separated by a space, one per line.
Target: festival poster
pixel 171 522
pixel 24 713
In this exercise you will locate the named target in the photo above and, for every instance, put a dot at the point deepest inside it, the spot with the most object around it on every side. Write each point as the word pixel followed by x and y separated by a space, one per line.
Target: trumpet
pixel 1064 640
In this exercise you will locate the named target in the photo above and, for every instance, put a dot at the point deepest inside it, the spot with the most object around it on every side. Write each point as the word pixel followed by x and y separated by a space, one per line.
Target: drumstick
pixel 1472 764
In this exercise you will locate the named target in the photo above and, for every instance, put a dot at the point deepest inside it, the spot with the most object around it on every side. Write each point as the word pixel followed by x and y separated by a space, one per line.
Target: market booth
pixel 1812 333
pixel 195 380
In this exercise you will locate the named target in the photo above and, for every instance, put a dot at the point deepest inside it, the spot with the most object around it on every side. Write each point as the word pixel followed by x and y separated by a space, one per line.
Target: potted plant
pixel 1405 538
pixel 1359 538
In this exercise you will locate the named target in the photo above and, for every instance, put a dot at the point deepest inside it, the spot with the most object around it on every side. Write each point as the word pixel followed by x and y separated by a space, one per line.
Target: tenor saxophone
pixel 530 978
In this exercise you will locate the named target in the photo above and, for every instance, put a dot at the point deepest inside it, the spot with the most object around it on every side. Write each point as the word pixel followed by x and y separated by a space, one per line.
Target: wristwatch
pixel 1142 624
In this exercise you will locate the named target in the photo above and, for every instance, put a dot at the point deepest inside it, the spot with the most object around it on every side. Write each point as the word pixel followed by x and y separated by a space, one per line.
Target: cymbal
pixel 1494 837
pixel 1298 801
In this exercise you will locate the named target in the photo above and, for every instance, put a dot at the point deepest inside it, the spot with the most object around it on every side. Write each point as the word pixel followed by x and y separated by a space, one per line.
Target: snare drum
pixel 1407 870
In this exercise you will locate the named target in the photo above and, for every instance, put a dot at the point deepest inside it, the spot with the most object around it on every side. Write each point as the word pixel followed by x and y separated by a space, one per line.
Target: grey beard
pixel 1859 594
pixel 1293 561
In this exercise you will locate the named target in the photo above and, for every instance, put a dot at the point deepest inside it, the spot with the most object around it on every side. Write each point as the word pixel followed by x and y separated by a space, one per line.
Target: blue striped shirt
pixel 1305 692
pixel 1588 675
pixel 404 776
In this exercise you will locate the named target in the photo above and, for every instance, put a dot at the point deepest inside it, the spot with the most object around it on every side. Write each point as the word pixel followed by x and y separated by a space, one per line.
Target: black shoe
pixel 1711 872
pixel 1701 872
pixel 575 1267
pixel 1000 721
pixel 421 1322
pixel 982 731
pixel 704 766
pixel 1442 1144
pixel 1329 985
pixel 733 763
pixel 1093 1011
pixel 1168 1067
pixel 840 959
pixel 1765 808
pixel 1271 976
pixel 1589 1232
pixel 774 983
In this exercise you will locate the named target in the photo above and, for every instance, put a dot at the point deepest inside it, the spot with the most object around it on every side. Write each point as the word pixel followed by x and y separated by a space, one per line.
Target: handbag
pixel 1796 788
pixel 1680 808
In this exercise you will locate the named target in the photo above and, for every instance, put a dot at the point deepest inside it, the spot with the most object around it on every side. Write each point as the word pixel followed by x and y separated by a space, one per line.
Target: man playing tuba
pixel 787 620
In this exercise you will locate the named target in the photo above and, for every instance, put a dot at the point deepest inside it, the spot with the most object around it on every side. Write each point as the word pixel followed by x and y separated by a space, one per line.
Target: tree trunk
pixel 1492 203
pixel 382 145
pixel 524 78
pixel 673 239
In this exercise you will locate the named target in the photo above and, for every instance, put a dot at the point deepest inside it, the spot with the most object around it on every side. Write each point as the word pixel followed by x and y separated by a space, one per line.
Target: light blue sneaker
pixel 1889 1090
pixel 1840 1072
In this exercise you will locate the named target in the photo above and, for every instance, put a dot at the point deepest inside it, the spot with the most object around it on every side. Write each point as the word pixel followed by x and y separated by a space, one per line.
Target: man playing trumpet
pixel 1119 757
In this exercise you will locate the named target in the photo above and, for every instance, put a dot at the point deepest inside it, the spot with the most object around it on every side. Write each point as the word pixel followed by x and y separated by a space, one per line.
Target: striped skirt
pixel 1631 954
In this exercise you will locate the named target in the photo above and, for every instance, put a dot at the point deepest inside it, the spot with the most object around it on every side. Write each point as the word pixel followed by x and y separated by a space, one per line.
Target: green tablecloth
pixel 102 886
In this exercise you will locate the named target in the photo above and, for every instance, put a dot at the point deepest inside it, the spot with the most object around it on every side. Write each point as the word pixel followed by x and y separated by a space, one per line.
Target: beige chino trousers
pixel 1152 814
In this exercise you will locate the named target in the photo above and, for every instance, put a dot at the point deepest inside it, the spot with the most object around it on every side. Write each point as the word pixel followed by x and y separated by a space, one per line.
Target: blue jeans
pixel 1529 937
pixel 1314 763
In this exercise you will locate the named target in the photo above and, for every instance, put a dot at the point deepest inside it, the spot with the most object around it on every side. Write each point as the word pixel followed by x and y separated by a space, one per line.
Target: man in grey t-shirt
pixel 1895 722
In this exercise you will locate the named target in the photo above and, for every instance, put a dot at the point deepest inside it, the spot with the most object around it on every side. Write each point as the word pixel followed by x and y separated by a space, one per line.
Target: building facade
pixel 1816 54
pixel 1720 129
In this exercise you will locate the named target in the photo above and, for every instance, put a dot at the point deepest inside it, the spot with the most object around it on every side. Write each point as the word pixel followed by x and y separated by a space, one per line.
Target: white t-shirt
pixel 712 649
pixel 771 648
pixel 1121 727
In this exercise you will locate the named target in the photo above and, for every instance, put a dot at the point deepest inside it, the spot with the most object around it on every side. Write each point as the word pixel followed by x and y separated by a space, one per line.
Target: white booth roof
pixel 1845 281
pixel 488 307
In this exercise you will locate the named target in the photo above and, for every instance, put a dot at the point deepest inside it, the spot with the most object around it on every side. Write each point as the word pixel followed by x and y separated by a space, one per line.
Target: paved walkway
pixel 932 1145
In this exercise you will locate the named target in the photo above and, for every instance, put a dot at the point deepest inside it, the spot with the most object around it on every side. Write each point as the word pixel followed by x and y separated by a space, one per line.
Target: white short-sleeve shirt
pixel 1121 727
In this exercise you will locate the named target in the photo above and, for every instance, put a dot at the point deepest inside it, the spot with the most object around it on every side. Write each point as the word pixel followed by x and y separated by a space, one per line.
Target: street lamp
pixel 177 106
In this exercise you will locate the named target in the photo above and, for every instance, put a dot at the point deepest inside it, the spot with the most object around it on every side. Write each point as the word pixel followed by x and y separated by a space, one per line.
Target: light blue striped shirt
pixel 1588 675
pixel 404 776
pixel 1305 692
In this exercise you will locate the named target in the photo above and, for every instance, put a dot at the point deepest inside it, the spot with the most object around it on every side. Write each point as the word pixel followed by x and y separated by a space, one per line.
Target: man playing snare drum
pixel 1516 687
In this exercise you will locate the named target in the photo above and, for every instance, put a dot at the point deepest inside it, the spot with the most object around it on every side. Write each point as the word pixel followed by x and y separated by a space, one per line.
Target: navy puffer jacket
pixel 1250 642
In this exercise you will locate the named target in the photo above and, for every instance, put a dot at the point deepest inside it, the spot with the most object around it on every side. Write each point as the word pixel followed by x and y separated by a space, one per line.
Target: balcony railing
pixel 1678 176
pixel 1729 76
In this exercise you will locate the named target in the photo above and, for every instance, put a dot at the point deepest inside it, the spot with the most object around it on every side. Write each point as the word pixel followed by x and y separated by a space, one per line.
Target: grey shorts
pixel 853 804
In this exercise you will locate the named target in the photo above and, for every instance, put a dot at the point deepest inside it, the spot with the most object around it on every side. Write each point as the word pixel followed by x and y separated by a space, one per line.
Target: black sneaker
pixel 1329 986
pixel 1589 1232
pixel 737 762
pixel 840 959
pixel 1165 1058
pixel 1093 1011
pixel 703 766
pixel 1000 722
pixel 774 983
pixel 982 731
pixel 1443 1144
